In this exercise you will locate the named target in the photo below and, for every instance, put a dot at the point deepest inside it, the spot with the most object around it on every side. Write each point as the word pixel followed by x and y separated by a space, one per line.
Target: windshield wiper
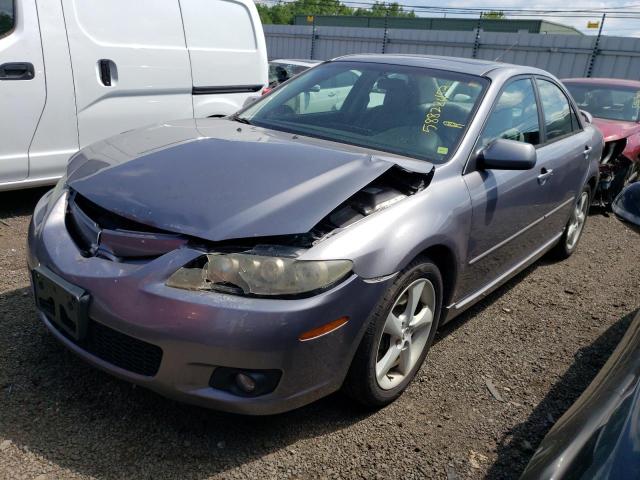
pixel 246 121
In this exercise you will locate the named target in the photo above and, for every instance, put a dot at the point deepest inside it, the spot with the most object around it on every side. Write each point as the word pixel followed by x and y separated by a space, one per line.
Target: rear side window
pixel 514 116
pixel 7 16
pixel 559 118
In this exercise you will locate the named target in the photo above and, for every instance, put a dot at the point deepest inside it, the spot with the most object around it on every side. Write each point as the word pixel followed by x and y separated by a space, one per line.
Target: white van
pixel 76 71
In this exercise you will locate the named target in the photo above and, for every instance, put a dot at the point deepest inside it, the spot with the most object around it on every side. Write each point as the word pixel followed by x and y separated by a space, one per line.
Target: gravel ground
pixel 539 341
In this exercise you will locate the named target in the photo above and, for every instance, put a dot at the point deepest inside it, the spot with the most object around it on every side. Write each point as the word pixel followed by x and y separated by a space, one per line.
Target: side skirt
pixel 455 309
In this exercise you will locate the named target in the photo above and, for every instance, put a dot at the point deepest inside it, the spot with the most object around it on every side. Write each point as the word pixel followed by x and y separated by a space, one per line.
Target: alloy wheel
pixel 405 334
pixel 578 218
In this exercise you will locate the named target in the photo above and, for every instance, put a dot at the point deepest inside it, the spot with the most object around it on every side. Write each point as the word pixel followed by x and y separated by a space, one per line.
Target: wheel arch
pixel 446 260
pixel 593 184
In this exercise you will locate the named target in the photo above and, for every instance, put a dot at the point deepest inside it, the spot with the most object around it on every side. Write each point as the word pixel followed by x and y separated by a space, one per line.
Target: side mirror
pixel 626 206
pixel 315 89
pixel 587 116
pixel 503 154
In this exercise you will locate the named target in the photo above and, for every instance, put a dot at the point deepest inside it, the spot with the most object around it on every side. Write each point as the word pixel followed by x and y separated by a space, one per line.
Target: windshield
pixel 411 111
pixel 607 101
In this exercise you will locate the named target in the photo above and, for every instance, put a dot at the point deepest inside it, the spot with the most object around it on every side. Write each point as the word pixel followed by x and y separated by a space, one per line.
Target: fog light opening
pixel 245 383
pixel 324 329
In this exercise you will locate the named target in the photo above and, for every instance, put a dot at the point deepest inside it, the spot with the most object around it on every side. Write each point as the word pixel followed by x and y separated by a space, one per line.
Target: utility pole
pixel 313 38
pixel 386 29
pixel 476 43
pixel 596 47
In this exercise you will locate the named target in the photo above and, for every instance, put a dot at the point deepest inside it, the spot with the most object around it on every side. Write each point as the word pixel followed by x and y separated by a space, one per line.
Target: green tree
pixel 285 12
pixel 380 9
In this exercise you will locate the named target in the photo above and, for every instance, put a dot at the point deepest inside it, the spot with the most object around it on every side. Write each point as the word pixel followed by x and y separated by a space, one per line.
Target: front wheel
pixel 400 332
pixel 573 231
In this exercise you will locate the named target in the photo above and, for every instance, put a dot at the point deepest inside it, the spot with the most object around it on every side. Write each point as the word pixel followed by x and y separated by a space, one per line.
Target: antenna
pixel 506 51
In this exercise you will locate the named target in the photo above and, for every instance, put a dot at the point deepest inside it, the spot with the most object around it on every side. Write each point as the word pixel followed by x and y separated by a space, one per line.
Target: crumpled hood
pixel 615 129
pixel 218 179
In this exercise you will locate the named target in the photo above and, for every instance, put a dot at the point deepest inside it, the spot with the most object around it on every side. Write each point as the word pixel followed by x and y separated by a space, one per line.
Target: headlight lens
pixel 259 275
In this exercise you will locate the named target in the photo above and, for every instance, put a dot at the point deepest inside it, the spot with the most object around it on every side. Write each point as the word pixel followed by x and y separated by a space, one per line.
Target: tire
pixel 570 239
pixel 412 338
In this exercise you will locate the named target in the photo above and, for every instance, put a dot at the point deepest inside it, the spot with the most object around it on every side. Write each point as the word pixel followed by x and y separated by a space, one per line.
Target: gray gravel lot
pixel 539 341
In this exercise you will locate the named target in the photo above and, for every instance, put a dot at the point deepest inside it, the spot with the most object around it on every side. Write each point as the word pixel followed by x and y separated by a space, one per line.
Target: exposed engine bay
pixel 616 171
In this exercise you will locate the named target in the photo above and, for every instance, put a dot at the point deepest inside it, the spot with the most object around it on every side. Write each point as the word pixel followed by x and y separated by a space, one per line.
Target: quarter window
pixel 7 16
pixel 514 116
pixel 559 118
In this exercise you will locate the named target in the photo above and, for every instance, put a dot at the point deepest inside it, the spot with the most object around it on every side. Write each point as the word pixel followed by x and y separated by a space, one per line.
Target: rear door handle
pixel 17 71
pixel 587 151
pixel 544 175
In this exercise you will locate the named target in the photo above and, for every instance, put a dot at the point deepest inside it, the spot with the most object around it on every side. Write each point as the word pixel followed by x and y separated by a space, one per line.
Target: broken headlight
pixel 250 274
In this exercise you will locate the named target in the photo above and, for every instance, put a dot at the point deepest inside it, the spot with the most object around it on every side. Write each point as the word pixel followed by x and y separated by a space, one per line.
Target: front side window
pixel 417 112
pixel 612 102
pixel 514 116
pixel 559 119
pixel 7 16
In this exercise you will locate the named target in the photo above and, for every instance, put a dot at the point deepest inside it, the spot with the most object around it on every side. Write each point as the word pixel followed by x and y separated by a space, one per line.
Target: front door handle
pixel 17 71
pixel 545 173
pixel 587 151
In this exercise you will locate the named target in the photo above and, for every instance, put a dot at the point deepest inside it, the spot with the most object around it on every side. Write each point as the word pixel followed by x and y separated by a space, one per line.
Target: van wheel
pixel 573 231
pixel 398 336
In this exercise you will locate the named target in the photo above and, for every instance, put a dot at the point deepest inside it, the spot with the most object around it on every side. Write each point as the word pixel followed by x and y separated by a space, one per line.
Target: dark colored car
pixel 599 436
pixel 314 240
pixel 626 206
pixel 615 106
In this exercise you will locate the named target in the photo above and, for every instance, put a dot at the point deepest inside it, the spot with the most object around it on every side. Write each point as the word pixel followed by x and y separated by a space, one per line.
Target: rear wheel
pixel 573 231
pixel 398 337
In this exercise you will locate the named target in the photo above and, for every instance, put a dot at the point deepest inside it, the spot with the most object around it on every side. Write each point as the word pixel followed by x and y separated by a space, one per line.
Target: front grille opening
pixel 123 351
pixel 118 349
pixel 106 219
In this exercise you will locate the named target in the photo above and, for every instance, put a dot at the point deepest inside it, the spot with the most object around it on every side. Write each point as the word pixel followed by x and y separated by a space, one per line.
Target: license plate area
pixel 64 304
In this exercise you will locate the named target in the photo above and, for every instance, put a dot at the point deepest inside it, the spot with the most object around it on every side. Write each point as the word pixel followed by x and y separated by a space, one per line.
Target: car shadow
pixel 517 445
pixel 20 202
pixel 55 406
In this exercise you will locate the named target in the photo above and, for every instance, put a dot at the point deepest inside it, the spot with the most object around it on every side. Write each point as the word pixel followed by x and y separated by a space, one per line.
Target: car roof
pixel 453 64
pixel 303 63
pixel 605 81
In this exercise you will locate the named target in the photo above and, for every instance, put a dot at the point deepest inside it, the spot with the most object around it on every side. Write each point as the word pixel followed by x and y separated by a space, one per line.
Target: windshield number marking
pixel 433 114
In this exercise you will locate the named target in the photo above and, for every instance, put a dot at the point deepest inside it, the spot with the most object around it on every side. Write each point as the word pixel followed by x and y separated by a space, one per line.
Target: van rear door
pixel 228 53
pixel 130 64
pixel 22 86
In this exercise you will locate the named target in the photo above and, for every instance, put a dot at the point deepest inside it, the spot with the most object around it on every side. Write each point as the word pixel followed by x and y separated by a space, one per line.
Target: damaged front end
pixel 253 266
pixel 616 171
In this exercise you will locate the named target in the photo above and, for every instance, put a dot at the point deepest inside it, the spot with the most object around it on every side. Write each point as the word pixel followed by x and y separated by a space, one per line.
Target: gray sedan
pixel 313 241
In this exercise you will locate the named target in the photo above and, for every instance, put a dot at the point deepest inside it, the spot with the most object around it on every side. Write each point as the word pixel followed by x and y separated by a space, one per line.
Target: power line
pixel 474 10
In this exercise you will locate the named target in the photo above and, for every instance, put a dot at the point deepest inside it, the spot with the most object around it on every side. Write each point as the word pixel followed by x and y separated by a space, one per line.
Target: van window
pixel 218 25
pixel 7 16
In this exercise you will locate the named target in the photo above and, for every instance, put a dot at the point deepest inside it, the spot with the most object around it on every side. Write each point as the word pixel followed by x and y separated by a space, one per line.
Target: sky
pixel 623 27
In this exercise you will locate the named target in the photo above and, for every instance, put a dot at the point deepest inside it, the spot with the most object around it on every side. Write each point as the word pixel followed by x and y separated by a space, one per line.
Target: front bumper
pixel 199 331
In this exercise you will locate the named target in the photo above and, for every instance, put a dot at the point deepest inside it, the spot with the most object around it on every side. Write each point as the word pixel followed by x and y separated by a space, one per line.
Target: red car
pixel 615 106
